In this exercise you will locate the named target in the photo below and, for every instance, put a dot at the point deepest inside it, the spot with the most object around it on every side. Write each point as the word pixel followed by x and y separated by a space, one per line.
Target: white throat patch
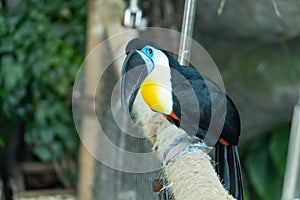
pixel 161 93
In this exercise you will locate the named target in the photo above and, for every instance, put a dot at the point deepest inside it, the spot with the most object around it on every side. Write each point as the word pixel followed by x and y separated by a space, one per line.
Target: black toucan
pixel 187 99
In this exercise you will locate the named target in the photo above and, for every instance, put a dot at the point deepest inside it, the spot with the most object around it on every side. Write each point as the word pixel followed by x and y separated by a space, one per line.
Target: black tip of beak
pixel 134 72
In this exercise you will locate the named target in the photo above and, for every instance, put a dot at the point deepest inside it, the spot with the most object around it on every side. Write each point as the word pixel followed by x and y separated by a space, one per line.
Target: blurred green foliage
pixel 265 164
pixel 1 143
pixel 42 47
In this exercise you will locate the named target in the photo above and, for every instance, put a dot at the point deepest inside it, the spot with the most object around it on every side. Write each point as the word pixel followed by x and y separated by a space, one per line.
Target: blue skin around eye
pixel 149 63
pixel 146 51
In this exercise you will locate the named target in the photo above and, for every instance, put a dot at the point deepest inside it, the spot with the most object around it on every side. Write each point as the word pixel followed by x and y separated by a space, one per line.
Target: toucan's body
pixel 187 99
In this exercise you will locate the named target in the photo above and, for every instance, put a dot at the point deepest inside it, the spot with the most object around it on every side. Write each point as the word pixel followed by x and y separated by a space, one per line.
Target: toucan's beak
pixel 134 71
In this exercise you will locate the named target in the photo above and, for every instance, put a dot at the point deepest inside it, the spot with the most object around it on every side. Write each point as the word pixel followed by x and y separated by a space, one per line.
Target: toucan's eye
pixel 150 51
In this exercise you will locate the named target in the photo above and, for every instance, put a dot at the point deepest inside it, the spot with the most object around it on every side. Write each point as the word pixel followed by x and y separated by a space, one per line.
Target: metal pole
pixel 291 186
pixel 187 32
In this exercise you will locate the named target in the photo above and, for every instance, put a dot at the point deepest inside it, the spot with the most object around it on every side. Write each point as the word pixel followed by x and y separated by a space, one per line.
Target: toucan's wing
pixel 195 95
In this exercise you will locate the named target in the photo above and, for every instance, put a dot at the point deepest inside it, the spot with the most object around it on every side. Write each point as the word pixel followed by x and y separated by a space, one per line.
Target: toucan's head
pixel 146 69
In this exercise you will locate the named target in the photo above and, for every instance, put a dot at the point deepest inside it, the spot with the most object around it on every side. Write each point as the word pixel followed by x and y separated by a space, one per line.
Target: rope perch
pixel 191 175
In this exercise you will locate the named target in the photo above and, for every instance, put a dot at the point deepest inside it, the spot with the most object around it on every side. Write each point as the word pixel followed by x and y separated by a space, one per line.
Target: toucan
pixel 189 100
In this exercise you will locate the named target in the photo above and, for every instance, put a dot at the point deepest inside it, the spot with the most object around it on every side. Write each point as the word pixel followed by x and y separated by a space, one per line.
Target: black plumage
pixel 188 83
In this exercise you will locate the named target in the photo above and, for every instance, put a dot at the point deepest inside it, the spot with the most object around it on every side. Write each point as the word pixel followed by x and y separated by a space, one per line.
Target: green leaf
pixel 2 143
pixel 279 146
pixel 12 72
pixel 43 153
pixel 46 135
pixel 57 149
pixel 261 172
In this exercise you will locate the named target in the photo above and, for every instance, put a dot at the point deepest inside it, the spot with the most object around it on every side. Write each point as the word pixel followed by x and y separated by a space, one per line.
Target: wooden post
pixel 95 34
pixel 104 17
